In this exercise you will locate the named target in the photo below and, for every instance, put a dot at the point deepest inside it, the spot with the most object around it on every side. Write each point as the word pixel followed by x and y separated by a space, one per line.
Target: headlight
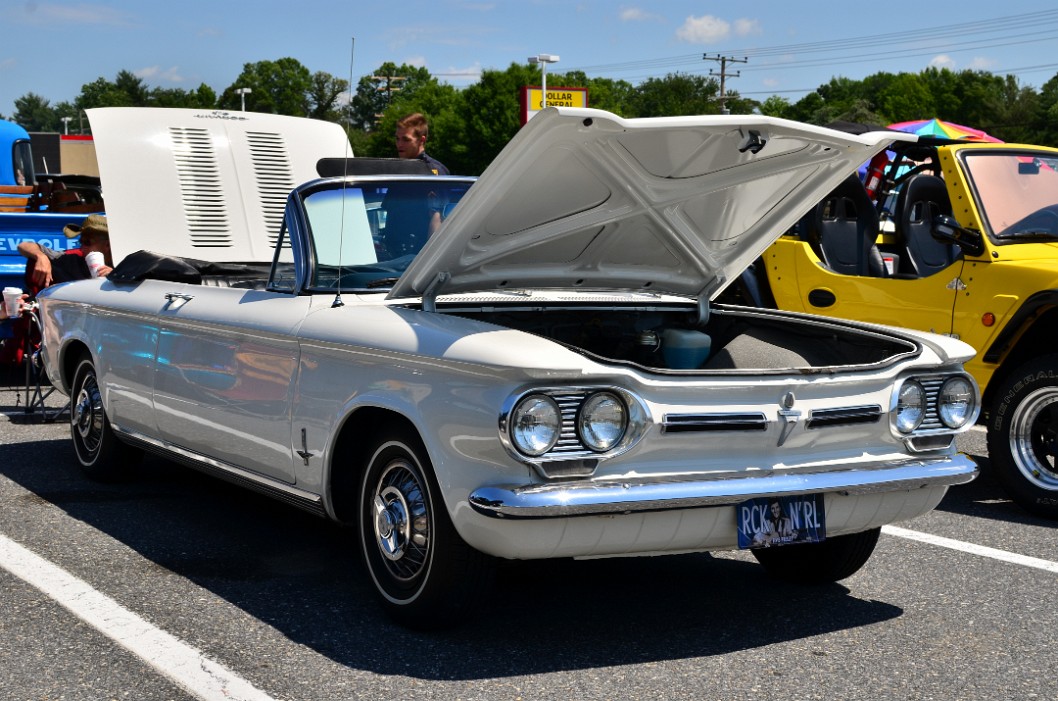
pixel 955 403
pixel 536 424
pixel 910 406
pixel 602 421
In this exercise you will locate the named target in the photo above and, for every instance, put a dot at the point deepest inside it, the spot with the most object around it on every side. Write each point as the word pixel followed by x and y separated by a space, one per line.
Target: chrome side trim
pixel 617 497
pixel 282 491
pixel 747 421
pixel 844 416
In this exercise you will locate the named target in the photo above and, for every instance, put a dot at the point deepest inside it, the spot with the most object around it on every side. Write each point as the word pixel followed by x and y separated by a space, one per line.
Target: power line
pixel 1003 31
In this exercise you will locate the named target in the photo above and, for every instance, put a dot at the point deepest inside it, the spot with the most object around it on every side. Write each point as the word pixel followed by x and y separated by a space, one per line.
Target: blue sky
pixel 53 47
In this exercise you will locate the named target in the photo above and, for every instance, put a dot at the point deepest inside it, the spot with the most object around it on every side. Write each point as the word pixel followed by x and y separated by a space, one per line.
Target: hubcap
pixel 1034 438
pixel 401 520
pixel 87 415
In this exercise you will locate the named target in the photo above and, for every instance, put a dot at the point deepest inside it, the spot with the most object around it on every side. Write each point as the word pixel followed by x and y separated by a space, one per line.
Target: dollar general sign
pixel 532 99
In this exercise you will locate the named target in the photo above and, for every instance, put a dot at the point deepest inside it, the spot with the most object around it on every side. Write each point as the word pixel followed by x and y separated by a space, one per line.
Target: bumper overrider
pixel 592 498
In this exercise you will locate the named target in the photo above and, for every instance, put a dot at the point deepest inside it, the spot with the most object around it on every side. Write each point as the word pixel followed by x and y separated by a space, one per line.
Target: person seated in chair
pixel 50 267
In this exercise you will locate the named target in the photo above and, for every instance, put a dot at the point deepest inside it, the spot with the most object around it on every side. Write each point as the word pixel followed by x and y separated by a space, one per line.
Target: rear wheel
pixel 819 563
pixel 101 454
pixel 1023 436
pixel 423 571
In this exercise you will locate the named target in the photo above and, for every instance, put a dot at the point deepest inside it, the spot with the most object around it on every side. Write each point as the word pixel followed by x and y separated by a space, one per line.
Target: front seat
pixel 843 229
pixel 921 199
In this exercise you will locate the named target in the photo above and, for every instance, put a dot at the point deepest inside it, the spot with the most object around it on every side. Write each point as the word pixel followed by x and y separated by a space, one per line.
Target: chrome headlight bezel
pixel 909 408
pixel 957 402
pixel 575 453
pixel 602 421
pixel 952 405
pixel 535 424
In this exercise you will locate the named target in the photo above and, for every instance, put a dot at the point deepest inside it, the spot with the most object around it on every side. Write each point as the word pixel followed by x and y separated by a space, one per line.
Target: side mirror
pixel 948 230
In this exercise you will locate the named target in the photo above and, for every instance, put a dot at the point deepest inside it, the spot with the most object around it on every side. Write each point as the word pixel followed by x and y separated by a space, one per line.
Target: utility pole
pixel 724 60
pixel 389 88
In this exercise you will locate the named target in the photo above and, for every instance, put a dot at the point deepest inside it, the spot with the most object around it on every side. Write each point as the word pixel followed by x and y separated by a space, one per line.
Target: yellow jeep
pixel 960 239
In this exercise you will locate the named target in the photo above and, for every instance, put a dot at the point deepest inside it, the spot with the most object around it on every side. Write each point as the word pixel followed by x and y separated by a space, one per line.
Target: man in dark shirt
pixel 411 134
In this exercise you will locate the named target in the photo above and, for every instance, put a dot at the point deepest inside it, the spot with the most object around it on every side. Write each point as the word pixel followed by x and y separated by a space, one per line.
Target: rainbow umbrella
pixel 947 130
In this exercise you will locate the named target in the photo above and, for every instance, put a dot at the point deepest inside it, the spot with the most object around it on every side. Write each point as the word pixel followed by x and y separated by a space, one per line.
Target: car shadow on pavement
pixel 298 574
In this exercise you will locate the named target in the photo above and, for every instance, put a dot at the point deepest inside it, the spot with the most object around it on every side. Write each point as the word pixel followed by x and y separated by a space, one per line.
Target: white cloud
pixel 707 29
pixel 942 61
pixel 636 14
pixel 703 30
pixel 980 63
pixel 158 74
pixel 747 27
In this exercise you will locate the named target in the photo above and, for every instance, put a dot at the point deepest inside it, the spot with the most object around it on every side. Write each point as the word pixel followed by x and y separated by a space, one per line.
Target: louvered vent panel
pixel 200 187
pixel 274 178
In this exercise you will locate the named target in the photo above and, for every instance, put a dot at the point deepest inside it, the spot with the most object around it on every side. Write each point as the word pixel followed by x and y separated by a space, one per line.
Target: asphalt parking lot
pixel 273 604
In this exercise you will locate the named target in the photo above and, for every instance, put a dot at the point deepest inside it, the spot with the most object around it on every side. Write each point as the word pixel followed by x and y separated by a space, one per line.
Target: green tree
pixel 279 87
pixel 1013 113
pixel 375 92
pixel 776 106
pixel 135 88
pixel 603 93
pixel 324 91
pixel 102 93
pixel 491 113
pixel 907 97
pixel 78 123
pixel 676 94
pixel 1045 121
pixel 202 98
pixel 34 113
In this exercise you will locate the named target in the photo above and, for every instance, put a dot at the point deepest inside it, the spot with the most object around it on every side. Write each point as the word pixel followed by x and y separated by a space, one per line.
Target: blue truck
pixel 36 206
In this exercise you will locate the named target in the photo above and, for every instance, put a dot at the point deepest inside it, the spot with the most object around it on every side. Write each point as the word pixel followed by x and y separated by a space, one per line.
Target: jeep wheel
pixel 424 573
pixel 1023 436
pixel 819 563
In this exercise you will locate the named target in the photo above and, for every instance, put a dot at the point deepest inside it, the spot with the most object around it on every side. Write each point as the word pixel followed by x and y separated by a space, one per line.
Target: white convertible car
pixel 547 377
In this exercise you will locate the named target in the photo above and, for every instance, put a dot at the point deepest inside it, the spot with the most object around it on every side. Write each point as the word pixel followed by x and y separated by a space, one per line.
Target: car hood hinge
pixel 429 297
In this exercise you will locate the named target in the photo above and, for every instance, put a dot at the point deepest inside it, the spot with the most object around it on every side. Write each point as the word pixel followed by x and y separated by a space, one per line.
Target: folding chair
pixel 37 388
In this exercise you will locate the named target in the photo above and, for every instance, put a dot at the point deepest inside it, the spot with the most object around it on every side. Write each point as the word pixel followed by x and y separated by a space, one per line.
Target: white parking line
pixel 973 549
pixel 181 663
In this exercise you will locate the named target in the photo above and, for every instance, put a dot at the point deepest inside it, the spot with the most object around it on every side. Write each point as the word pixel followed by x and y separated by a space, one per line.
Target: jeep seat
pixel 921 199
pixel 843 230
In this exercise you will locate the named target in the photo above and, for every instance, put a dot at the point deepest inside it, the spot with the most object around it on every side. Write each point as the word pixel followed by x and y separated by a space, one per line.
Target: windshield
pixel 365 235
pixel 1017 192
pixel 23 163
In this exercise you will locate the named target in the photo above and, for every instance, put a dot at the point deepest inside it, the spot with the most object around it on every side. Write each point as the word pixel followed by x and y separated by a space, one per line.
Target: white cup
pixel 12 299
pixel 95 262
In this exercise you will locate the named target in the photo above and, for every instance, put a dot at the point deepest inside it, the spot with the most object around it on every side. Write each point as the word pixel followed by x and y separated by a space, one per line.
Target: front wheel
pixel 425 574
pixel 819 563
pixel 101 454
pixel 1023 436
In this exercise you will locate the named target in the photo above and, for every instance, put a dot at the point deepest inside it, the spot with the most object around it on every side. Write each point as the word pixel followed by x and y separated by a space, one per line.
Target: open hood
pixel 582 199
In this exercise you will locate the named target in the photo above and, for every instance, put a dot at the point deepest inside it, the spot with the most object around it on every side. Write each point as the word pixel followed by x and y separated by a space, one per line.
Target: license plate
pixel 773 521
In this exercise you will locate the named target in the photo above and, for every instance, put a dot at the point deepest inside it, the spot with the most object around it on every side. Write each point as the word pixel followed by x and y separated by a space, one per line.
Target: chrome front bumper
pixel 617 497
